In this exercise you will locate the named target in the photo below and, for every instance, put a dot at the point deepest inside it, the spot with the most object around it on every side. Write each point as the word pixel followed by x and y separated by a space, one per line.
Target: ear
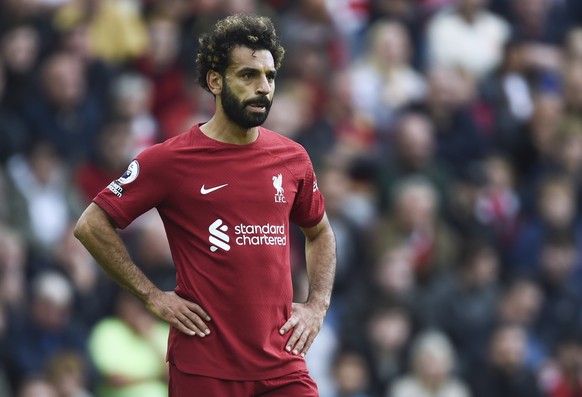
pixel 214 81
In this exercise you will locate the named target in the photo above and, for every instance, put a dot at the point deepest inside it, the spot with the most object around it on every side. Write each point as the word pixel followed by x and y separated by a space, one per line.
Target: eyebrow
pixel 271 73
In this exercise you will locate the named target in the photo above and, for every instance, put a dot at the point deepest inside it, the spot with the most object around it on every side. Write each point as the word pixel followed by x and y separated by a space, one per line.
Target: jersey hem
pixel 220 373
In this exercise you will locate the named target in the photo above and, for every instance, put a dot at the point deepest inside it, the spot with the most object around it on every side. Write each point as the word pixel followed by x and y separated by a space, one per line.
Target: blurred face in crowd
pixel 558 262
pixel 37 388
pixel 483 268
pixel 351 374
pixel 547 115
pixel 508 347
pixel 445 88
pixel 499 173
pixel 115 146
pixel 290 114
pixel 394 273
pixel 433 360
pixel 164 40
pixel 63 81
pixel 389 330
pixel 45 162
pixel 417 205
pixel 20 49
pixel 557 205
pixel 77 41
pixel 390 44
pixel 521 304
pixel 415 140
pixel 531 12
pixel 570 149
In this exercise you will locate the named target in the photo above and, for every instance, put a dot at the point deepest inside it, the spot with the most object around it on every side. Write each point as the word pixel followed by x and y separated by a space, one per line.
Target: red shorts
pixel 296 384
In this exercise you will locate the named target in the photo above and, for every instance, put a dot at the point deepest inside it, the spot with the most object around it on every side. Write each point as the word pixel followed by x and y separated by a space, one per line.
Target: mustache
pixel 258 101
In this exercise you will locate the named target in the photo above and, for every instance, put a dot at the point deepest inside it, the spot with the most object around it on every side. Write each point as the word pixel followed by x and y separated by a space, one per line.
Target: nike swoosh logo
pixel 203 190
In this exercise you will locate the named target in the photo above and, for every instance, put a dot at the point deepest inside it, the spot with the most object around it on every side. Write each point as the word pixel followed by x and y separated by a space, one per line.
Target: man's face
pixel 248 87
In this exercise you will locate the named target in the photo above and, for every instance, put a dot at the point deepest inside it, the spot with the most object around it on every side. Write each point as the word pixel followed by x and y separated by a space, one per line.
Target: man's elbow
pixel 82 227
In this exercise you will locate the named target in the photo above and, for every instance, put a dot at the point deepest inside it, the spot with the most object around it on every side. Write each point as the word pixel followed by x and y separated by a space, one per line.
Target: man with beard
pixel 227 191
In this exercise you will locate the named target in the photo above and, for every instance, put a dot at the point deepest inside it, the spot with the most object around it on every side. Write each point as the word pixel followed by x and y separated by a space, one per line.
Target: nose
pixel 264 86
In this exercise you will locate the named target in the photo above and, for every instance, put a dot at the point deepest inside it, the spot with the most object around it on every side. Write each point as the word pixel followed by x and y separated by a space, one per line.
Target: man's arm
pixel 307 318
pixel 97 232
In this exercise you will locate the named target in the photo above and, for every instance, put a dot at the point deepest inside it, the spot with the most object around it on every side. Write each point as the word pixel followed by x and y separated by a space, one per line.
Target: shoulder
pixel 165 151
pixel 282 145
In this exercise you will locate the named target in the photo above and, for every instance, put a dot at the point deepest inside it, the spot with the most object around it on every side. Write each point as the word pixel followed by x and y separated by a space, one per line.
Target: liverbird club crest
pixel 280 193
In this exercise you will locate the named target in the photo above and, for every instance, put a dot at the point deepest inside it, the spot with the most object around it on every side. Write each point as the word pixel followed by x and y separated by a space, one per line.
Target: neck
pixel 220 128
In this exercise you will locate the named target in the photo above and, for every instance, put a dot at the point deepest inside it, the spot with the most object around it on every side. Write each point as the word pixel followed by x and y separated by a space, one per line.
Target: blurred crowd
pixel 447 140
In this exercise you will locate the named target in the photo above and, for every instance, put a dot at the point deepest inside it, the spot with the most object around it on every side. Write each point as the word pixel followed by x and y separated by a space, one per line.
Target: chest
pixel 258 184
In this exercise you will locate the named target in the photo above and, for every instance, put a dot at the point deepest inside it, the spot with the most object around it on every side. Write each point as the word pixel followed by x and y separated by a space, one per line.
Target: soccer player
pixel 227 191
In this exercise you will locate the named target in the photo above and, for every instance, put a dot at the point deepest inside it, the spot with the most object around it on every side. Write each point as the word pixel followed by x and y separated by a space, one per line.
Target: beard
pixel 237 111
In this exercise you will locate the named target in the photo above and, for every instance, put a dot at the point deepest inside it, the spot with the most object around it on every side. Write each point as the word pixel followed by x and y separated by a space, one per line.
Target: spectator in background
pixel 468 37
pixel 152 251
pixel 117 31
pixel 464 306
pixel 556 211
pixel 41 181
pixel 541 21
pixel 13 258
pixel 352 250
pixel 19 50
pixel 160 64
pixel 573 45
pixel 433 364
pixel 340 133
pixel 129 350
pixel 414 222
pixel 506 373
pixel 498 204
pixel 457 136
pixel 68 373
pixel 520 304
pixel 413 145
pixel 536 147
pixel 572 90
pixel 74 37
pixel 508 91
pixel 65 113
pixel 352 375
pixel 308 23
pixel 383 80
pixel 14 133
pixel 565 380
pixel 459 210
pixel 37 387
pixel 131 98
pixel 384 343
pixel 36 336
pixel 115 149
pixel 559 278
pixel 392 279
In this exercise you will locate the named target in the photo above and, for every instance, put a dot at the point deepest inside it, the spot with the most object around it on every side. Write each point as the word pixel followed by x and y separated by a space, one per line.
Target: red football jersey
pixel 226 209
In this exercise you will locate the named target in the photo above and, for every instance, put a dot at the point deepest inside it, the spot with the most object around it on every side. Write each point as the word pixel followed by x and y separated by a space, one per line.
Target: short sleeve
pixel 308 207
pixel 141 188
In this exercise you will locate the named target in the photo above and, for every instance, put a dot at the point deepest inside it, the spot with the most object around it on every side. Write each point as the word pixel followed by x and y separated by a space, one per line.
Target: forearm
pixel 95 231
pixel 320 251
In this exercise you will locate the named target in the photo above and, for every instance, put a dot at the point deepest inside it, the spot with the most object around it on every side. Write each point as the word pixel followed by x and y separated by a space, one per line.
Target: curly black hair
pixel 252 31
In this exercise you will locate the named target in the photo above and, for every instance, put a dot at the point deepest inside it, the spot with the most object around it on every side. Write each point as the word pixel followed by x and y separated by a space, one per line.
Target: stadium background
pixel 447 139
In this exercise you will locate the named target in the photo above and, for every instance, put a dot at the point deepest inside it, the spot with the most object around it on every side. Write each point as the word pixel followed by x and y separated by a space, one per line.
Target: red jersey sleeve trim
pixel 121 221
